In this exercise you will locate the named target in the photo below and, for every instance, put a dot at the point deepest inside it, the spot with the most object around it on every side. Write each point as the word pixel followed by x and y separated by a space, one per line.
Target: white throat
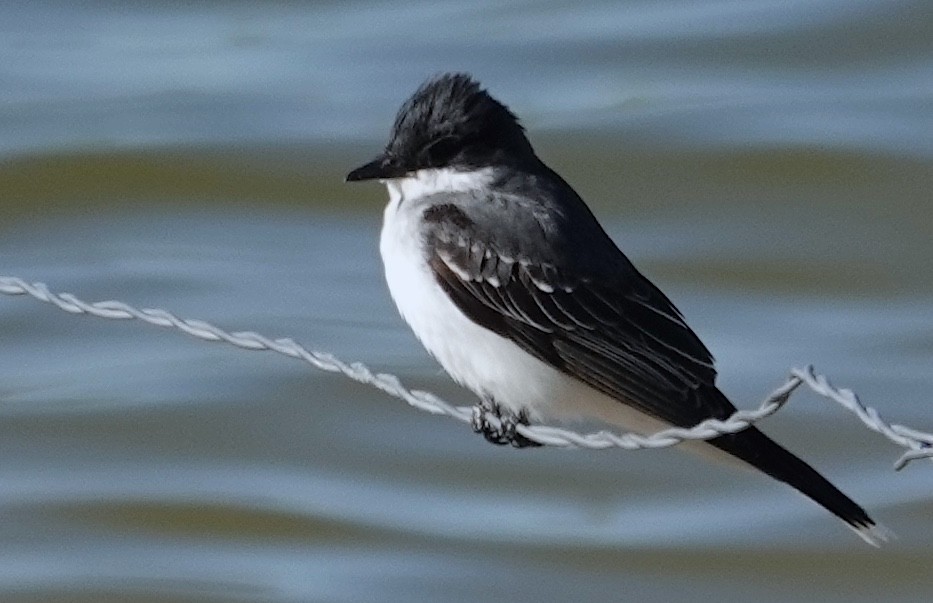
pixel 432 181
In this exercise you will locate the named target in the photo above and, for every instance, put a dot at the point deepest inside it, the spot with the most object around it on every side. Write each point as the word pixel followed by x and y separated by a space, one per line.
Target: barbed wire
pixel 918 443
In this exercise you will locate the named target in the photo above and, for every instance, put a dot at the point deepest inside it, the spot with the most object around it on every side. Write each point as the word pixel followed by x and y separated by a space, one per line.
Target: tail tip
pixel 874 534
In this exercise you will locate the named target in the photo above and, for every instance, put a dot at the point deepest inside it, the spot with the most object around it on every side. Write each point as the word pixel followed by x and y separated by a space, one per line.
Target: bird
pixel 509 281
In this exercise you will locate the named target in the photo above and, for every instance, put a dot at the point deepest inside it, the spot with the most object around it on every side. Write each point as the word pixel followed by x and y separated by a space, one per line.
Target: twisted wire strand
pixel 918 443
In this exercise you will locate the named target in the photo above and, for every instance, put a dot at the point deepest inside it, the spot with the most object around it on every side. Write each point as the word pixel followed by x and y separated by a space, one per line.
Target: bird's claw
pixel 507 430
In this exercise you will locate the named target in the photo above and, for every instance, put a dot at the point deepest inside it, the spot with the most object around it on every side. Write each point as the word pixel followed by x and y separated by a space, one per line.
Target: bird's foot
pixel 510 423
pixel 507 430
pixel 482 424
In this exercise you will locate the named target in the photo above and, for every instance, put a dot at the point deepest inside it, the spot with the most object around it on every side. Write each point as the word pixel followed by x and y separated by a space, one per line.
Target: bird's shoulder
pixel 529 221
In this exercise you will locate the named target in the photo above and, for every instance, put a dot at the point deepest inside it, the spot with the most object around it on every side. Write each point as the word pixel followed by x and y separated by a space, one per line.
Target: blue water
pixel 767 163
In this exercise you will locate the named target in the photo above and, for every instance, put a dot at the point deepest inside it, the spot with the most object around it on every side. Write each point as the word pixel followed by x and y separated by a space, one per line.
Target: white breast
pixel 489 365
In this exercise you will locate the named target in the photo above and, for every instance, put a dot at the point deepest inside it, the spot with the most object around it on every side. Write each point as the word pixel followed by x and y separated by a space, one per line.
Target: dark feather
pixel 615 332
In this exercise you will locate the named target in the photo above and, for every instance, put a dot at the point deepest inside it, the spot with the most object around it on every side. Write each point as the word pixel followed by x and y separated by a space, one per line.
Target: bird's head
pixel 449 122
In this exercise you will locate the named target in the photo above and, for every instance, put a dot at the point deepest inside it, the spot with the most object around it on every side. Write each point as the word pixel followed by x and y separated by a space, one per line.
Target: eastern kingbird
pixel 508 280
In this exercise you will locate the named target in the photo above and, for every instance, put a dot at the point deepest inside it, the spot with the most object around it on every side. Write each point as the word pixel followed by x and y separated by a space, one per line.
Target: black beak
pixel 380 168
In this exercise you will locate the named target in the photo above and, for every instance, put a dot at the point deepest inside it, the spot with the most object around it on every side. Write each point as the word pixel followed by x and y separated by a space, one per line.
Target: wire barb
pixel 918 443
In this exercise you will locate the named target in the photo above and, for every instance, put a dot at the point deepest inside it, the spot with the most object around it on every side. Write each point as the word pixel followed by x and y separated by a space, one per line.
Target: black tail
pixel 756 449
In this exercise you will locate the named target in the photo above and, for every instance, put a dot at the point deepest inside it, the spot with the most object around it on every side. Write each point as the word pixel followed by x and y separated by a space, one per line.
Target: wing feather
pixel 614 331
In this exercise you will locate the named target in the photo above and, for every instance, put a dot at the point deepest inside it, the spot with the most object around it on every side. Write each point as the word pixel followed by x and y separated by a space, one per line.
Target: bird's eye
pixel 442 150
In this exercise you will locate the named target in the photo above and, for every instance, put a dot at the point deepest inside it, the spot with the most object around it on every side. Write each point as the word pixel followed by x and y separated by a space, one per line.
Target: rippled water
pixel 769 164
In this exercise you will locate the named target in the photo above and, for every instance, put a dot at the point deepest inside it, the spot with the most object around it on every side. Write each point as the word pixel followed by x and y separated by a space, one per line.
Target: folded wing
pixel 613 330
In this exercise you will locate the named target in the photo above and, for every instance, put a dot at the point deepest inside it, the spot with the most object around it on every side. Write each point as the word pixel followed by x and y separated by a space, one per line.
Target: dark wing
pixel 611 329
pixel 597 319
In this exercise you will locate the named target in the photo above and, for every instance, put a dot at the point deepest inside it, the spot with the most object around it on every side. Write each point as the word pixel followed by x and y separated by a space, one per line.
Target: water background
pixel 768 163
